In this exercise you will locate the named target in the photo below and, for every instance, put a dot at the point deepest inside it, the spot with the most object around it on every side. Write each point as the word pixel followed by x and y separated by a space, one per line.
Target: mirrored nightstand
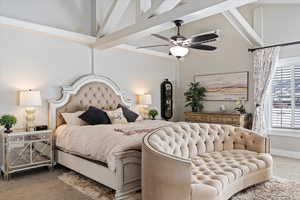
pixel 22 150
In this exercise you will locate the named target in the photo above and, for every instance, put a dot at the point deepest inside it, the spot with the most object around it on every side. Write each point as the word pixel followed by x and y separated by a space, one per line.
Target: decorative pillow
pixel 128 114
pixel 137 110
pixel 72 118
pixel 94 116
pixel 116 116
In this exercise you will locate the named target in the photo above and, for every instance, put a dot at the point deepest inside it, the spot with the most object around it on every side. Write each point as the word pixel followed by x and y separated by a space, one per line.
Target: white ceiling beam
pixel 192 11
pixel 258 21
pixel 69 35
pixel 243 27
pixel 279 1
pixel 160 6
pixel 94 21
pixel 145 51
pixel 114 17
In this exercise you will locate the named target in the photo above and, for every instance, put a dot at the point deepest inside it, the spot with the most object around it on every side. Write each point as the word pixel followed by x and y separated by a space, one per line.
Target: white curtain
pixel 264 62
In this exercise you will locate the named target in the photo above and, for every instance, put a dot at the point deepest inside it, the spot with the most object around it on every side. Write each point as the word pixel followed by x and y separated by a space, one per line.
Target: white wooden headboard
pixel 89 90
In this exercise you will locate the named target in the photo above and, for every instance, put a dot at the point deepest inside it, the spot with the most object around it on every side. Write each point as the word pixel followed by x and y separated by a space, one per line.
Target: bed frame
pixel 101 92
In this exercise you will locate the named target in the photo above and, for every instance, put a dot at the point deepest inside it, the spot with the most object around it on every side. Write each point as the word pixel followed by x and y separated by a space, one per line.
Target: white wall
pixel 231 56
pixel 280 25
pixel 34 61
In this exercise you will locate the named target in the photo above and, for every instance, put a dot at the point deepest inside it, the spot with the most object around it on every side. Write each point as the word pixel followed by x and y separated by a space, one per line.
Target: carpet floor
pixel 40 184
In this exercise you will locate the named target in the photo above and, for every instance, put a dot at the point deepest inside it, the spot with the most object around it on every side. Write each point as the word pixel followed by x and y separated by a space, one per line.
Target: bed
pixel 121 169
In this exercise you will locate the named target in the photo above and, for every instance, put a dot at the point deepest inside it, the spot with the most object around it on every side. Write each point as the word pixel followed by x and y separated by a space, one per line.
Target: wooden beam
pixel 192 11
pixel 114 17
pixel 72 36
pixel 243 27
pixel 145 51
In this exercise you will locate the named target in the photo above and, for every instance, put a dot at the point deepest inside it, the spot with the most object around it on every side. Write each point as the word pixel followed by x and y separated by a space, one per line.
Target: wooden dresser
pixel 220 118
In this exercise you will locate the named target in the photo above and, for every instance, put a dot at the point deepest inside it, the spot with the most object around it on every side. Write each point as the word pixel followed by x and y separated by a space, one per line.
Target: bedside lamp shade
pixel 30 98
pixel 146 99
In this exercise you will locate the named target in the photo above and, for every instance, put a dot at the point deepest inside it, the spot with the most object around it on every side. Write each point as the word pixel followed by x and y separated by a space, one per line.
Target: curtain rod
pixel 276 45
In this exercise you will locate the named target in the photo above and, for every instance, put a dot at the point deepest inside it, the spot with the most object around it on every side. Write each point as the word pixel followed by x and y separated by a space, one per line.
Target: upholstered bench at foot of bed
pixel 189 161
pixel 218 175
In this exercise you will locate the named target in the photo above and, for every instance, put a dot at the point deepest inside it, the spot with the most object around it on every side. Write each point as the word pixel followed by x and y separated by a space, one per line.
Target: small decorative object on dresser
pixel 240 106
pixel 22 150
pixel 222 108
pixel 239 120
pixel 8 121
pixel 153 113
pixel 194 96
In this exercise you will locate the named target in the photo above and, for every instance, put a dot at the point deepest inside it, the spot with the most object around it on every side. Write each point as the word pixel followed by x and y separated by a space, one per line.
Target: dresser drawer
pixel 217 118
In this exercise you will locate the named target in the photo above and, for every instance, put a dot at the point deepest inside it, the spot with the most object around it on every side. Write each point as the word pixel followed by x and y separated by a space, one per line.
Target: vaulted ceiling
pixel 105 24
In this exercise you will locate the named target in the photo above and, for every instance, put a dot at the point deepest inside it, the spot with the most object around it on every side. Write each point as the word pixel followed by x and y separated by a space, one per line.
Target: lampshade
pixel 146 99
pixel 30 98
pixel 179 51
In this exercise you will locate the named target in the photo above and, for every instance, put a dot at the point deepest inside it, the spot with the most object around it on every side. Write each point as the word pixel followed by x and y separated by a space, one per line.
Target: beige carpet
pixel 275 189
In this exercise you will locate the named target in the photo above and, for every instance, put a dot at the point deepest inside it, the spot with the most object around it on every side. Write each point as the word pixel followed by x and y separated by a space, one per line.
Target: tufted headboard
pixel 91 90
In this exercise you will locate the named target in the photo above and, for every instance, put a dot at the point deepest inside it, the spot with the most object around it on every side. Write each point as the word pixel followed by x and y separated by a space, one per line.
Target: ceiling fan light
pixel 179 51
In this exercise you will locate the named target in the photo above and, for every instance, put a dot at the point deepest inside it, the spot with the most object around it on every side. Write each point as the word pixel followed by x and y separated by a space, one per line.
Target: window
pixel 286 95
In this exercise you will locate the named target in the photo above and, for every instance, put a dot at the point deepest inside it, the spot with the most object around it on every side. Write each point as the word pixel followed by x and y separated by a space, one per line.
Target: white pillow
pixel 116 116
pixel 136 110
pixel 72 118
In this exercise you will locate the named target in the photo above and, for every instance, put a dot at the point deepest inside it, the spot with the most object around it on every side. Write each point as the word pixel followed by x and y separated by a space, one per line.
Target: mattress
pixel 101 142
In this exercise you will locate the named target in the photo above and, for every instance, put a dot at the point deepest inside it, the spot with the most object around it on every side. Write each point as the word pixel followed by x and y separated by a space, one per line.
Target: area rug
pixel 275 189
pixel 91 188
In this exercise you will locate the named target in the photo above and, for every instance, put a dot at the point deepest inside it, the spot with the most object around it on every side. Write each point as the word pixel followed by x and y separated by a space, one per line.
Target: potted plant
pixel 153 113
pixel 194 96
pixel 240 106
pixel 8 121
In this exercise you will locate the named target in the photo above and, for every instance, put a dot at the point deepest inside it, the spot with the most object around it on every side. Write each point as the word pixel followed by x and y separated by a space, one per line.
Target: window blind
pixel 286 97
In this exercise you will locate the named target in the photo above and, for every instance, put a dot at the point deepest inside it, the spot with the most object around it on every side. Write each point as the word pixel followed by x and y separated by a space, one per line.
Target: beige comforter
pixel 101 142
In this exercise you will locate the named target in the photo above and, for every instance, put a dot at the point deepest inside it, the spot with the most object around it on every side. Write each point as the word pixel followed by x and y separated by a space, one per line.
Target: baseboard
pixel 285 153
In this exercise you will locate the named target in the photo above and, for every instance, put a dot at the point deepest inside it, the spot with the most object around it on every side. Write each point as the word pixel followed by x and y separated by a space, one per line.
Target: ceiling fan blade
pixel 213 40
pixel 204 38
pixel 161 37
pixel 153 46
pixel 202 47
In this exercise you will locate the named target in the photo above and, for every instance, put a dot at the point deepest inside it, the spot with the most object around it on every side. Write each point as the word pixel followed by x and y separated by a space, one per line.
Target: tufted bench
pixel 189 161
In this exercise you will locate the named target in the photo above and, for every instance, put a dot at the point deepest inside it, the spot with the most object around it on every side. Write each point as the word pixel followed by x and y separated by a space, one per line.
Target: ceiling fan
pixel 179 45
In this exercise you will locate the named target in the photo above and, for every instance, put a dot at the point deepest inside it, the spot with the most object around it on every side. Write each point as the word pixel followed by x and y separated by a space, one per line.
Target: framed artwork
pixel 225 87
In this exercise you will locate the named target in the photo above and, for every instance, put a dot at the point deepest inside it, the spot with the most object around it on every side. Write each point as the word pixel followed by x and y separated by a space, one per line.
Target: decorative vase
pixel 222 108
pixel 8 127
pixel 153 117
pixel 194 109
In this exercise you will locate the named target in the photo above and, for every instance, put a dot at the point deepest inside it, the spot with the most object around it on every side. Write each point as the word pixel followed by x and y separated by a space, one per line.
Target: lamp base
pixel 30 118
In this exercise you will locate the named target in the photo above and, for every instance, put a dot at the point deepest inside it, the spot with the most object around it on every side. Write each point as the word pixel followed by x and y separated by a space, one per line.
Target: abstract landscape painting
pixel 224 87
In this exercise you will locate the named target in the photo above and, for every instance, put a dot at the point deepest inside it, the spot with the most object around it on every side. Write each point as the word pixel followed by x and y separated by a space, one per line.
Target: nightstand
pixel 22 150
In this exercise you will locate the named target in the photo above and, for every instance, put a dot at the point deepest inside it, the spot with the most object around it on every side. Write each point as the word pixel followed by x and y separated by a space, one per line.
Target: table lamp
pixel 30 99
pixel 145 101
